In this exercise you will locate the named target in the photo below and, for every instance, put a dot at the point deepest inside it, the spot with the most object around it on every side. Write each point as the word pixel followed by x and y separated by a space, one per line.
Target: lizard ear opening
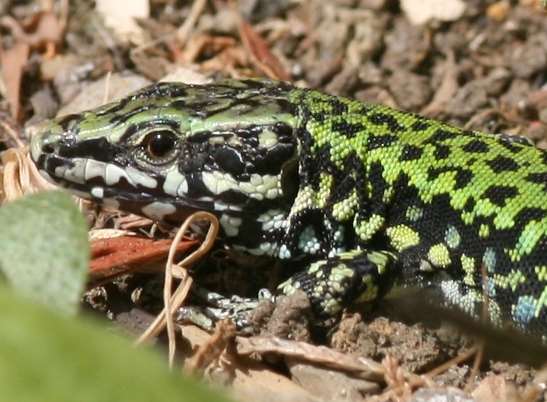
pixel 290 181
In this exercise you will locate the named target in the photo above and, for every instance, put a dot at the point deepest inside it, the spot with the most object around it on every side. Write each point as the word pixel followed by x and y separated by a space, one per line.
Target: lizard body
pixel 368 194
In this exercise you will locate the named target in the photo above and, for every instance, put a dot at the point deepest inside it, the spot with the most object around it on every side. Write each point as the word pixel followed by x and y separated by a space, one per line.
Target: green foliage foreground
pixel 47 356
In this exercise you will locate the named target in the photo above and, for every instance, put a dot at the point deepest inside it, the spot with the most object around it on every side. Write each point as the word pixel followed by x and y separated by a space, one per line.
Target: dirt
pixel 486 70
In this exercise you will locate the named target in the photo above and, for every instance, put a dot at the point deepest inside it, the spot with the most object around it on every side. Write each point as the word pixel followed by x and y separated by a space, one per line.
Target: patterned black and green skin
pixel 368 194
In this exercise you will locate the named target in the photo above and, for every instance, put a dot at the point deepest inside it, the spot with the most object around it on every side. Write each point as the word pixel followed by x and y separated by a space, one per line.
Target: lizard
pixel 367 195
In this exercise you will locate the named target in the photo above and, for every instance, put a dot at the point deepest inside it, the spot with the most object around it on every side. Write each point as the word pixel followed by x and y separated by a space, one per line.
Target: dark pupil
pixel 160 143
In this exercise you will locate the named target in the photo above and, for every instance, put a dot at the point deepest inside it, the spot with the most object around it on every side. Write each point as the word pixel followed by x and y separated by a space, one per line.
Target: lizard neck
pixel 332 139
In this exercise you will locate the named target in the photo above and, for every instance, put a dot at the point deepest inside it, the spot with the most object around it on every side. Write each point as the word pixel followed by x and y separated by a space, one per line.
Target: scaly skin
pixel 369 194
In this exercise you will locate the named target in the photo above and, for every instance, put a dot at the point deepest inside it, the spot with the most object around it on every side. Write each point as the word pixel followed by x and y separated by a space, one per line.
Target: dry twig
pixel 173 300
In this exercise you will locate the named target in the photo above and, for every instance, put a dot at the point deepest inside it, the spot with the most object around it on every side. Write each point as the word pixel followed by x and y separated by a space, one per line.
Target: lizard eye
pixel 159 144
pixel 158 148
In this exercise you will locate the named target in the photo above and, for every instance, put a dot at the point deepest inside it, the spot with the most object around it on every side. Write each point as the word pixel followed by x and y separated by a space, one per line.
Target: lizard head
pixel 170 149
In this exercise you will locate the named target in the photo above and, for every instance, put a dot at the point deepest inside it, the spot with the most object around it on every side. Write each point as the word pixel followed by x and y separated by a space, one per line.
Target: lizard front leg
pixel 350 277
pixel 331 284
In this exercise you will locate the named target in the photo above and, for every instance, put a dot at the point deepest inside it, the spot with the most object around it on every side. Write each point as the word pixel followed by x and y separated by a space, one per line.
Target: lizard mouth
pixel 121 188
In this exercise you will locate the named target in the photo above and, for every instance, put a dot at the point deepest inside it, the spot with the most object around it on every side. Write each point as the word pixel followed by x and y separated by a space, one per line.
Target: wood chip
pixel 423 11
pixel 121 17
pixel 119 255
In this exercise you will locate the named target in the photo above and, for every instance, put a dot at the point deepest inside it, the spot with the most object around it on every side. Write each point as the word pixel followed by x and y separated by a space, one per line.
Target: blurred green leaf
pixel 45 250
pixel 46 357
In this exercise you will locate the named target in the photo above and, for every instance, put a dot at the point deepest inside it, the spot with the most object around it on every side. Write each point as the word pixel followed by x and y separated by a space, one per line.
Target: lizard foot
pixel 219 307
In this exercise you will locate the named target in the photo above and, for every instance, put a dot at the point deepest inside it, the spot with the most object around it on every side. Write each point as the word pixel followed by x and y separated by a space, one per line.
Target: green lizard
pixel 366 194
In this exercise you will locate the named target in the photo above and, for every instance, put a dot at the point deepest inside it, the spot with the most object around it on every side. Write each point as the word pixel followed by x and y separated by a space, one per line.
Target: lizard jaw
pixel 112 186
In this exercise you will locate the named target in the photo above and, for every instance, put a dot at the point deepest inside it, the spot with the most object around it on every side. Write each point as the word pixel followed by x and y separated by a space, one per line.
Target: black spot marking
pixel 254 84
pixel 161 90
pixel 433 173
pixel 113 107
pixel 405 191
pixel 66 121
pixel 247 233
pixel 338 107
pixel 513 146
pixel 346 128
pixel 441 151
pixel 286 107
pixel 194 164
pixel 196 187
pixel 365 109
pixel 51 162
pixel 98 148
pixel 200 137
pixel 285 133
pixel 341 189
pixel 476 146
pixel 202 109
pixel 380 141
pixel 468 133
pixel 420 125
pixel 469 205
pixel 539 178
pixel 502 164
pixel 318 117
pixel 387 119
pixel 498 195
pixel 123 117
pixel 441 135
pixel 320 161
pixel 411 153
pixel 462 176
pixel 290 182
pixel 531 214
pixel 229 160
pixel 306 160
pixel 272 160
pixel 377 181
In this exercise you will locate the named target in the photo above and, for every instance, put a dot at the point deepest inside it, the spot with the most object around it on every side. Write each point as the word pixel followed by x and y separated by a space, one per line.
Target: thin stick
pixel 184 31
pixel 12 133
pixel 172 301
pixel 452 362
pixel 106 96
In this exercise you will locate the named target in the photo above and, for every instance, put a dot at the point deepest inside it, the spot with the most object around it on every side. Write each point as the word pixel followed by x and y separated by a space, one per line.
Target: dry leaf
pixel 45 30
pixel 20 176
pixel 446 90
pixel 260 53
pixel 14 61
